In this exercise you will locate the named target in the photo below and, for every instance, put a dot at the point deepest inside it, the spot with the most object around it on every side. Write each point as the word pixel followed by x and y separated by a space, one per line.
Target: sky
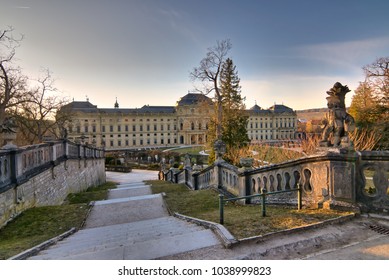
pixel 142 51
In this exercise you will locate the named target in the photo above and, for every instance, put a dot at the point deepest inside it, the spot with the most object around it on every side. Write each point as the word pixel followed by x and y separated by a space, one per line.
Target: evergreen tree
pixel 234 121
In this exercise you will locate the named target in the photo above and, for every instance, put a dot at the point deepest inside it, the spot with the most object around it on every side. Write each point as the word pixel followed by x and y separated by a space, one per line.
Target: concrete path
pixel 131 224
pixel 350 240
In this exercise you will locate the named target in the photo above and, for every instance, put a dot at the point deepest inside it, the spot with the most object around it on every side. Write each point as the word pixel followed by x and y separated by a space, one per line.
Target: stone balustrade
pixel 334 178
pixel 20 164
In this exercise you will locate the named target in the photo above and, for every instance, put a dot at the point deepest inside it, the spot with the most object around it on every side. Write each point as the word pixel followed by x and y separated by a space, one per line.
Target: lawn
pixel 242 221
pixel 39 224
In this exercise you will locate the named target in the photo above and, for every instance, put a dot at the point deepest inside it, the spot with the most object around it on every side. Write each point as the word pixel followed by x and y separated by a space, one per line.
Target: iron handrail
pixel 222 201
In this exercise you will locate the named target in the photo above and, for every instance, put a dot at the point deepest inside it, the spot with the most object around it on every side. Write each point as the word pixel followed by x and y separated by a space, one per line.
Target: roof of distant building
pixel 193 98
pixel 84 106
pixel 157 109
pixel 189 99
pixel 255 108
pixel 87 107
pixel 281 109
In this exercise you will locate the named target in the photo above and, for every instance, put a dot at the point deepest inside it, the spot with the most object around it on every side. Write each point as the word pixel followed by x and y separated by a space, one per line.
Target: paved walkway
pixel 132 223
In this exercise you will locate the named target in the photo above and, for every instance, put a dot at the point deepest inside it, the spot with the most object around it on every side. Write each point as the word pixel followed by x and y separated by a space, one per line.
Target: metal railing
pixel 263 195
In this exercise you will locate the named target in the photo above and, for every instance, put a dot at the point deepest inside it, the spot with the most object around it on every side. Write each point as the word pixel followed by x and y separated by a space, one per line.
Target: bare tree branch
pixel 12 82
pixel 209 72
pixel 37 116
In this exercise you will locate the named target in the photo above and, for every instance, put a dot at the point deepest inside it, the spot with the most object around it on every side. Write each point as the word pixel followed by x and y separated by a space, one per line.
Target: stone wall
pixel 50 182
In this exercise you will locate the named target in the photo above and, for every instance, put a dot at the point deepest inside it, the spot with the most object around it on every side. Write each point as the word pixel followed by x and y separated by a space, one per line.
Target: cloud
pixel 180 23
pixel 348 54
pixel 295 91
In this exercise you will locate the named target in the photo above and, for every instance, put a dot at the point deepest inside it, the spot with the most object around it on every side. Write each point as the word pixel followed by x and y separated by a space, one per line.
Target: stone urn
pixel 220 150
pixel 246 163
pixel 197 168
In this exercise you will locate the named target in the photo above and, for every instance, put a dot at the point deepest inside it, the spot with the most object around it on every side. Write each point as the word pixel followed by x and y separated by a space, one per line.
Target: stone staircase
pixel 131 224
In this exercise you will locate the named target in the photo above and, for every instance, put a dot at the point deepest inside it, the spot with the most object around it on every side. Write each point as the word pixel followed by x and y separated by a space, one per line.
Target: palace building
pixel 186 123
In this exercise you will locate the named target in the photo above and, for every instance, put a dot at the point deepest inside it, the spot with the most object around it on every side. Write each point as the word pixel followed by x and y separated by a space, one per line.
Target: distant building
pixel 186 123
pixel 279 122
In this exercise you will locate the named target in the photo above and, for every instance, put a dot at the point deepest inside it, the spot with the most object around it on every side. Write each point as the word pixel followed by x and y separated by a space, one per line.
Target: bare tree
pixel 37 116
pixel 13 83
pixel 377 77
pixel 209 71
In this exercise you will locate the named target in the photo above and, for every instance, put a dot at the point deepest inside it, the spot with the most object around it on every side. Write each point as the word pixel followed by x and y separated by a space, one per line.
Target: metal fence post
pixel 221 208
pixel 263 202
pixel 299 197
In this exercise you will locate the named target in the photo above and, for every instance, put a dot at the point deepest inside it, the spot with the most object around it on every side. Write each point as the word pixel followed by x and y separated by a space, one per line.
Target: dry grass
pixel 241 221
pixel 263 154
pixel 310 144
pixel 365 139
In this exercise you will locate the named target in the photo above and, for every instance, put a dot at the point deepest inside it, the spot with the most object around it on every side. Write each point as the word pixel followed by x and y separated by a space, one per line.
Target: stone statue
pixel 8 131
pixel 187 162
pixel 338 122
pixel 171 162
pixel 8 126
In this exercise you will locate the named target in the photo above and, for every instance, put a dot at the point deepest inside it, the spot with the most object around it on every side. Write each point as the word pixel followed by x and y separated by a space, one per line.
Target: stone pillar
pixel 342 182
pixel 244 181
pixel 220 150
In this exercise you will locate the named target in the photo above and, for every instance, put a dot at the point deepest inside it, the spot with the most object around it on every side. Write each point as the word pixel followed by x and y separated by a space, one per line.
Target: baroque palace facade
pixel 163 126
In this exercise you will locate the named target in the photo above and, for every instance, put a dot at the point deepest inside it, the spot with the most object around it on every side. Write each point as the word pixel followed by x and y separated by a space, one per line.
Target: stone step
pixel 147 249
pixel 134 176
pixel 129 191
pixel 131 224
pixel 126 210
pixel 135 231
pixel 133 184
pixel 153 238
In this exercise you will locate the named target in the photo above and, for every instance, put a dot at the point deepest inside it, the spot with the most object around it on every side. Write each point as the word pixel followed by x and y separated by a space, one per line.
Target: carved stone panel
pixel 343 181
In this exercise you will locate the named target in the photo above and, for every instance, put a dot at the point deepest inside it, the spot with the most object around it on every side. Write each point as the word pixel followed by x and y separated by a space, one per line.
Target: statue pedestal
pixel 8 138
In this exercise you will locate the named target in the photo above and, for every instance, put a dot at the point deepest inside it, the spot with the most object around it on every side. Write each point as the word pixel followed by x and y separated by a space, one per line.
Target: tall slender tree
pixel 234 122
pixel 235 119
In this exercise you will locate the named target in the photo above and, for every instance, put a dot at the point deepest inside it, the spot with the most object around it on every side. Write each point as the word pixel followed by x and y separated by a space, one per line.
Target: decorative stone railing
pixel 372 174
pixel 20 164
pixel 332 179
